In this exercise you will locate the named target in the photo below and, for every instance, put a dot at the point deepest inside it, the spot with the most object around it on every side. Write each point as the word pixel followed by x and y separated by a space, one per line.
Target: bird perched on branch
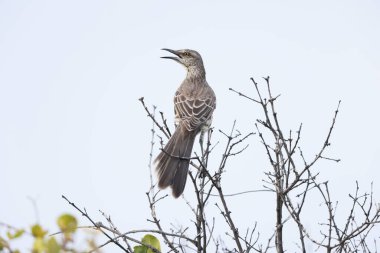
pixel 194 103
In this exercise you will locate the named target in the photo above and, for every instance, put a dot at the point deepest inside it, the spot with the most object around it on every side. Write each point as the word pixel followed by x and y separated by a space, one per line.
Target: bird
pixel 194 104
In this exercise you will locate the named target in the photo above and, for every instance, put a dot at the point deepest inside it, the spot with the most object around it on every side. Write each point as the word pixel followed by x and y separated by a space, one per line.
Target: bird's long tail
pixel 172 164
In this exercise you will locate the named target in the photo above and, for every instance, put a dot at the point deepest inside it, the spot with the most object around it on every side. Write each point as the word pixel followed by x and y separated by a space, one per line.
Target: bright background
pixel 71 73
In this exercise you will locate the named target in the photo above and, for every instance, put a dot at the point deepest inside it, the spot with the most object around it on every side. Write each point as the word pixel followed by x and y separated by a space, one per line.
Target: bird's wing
pixel 194 112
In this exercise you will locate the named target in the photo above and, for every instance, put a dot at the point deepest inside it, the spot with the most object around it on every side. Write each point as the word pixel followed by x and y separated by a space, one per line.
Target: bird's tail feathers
pixel 172 164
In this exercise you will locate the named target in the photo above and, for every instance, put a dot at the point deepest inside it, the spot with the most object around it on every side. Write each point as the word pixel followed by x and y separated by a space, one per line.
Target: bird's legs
pixel 201 137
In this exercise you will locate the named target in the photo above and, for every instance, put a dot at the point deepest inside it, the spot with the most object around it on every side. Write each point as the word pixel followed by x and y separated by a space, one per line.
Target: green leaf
pixel 52 246
pixel 16 234
pixel 140 249
pixel 152 241
pixel 37 231
pixel 148 240
pixel 38 245
pixel 67 223
pixel 3 243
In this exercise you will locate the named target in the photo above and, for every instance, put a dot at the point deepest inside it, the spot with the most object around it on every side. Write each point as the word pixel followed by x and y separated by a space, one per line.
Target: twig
pixel 84 213
pixel 150 115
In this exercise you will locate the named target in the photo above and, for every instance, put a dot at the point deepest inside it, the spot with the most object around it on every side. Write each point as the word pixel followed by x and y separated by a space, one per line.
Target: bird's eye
pixel 186 54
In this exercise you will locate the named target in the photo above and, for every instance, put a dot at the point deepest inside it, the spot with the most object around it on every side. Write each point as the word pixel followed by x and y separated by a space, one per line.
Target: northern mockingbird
pixel 194 103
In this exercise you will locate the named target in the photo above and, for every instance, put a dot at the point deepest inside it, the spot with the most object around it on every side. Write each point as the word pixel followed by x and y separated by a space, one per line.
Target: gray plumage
pixel 194 103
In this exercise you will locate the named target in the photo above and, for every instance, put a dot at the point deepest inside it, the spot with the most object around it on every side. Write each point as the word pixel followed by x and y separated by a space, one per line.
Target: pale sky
pixel 71 73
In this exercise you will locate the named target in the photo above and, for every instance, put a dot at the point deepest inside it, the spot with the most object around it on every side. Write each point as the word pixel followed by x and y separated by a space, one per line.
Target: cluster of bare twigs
pixel 205 182
pixel 291 178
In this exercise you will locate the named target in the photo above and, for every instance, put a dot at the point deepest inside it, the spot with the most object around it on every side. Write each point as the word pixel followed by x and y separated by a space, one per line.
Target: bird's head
pixel 187 57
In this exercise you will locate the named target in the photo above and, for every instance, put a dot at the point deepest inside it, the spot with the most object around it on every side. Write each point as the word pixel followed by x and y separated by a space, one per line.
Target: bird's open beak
pixel 177 59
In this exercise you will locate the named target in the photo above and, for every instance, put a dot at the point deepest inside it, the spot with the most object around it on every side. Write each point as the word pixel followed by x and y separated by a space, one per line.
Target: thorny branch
pixel 291 178
pixel 287 177
pixel 204 179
